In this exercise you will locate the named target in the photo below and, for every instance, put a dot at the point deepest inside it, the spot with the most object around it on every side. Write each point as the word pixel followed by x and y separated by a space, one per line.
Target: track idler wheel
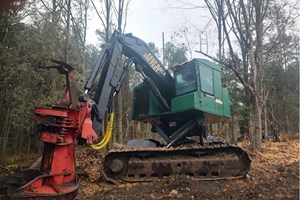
pixel 115 168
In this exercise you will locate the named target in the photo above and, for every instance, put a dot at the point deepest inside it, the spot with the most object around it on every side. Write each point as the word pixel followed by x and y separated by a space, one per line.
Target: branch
pixel 238 75
pixel 180 8
pixel 76 29
pixel 47 8
pixel 7 169
pixel 236 21
pixel 214 59
pixel 277 38
pixel 115 9
pixel 212 11
pixel 190 4
pixel 184 6
pixel 247 86
pixel 274 119
pixel 266 96
pixel 126 13
pixel 265 9
pixel 98 14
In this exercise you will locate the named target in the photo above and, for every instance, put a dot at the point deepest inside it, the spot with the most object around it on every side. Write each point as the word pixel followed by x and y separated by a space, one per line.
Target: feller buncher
pixel 177 107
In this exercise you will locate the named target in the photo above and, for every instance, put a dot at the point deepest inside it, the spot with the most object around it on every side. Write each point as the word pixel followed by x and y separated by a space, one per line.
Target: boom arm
pixel 113 71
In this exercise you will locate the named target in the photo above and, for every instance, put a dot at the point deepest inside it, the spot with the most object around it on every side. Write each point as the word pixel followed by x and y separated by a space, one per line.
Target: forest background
pixel 258 49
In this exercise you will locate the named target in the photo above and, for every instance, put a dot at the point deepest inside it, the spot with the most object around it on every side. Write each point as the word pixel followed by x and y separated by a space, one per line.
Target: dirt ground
pixel 274 174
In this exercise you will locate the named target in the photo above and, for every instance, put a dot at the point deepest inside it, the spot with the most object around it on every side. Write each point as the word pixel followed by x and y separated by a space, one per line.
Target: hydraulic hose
pixel 108 134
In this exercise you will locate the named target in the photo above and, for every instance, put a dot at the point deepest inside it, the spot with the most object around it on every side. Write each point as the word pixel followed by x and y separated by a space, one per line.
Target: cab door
pixel 207 88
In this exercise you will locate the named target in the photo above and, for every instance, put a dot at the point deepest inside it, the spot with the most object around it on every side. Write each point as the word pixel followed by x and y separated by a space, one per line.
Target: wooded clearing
pixel 258 49
pixel 256 43
pixel 274 175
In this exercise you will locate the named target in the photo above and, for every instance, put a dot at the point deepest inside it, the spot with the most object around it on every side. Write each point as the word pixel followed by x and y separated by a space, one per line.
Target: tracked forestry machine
pixel 178 107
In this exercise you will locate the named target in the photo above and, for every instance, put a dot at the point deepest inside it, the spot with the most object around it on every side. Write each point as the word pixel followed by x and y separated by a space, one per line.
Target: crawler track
pixel 211 162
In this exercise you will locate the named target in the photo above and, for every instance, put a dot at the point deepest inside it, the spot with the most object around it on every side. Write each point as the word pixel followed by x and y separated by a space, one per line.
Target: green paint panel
pixel 226 103
pixel 192 101
pixel 201 92
pixel 208 103
pixel 210 96
pixel 185 102
pixel 145 103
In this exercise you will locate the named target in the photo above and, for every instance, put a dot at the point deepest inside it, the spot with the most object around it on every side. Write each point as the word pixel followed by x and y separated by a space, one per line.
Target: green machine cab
pixel 199 92
pixel 199 87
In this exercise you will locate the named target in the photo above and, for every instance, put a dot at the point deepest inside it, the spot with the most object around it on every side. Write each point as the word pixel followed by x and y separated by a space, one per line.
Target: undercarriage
pixel 209 162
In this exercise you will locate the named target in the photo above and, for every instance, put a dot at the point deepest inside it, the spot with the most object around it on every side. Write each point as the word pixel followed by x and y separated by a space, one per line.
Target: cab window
pixel 206 75
pixel 185 79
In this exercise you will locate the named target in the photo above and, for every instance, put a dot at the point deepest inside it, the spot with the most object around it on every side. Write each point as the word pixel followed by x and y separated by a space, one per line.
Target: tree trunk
pixel 287 121
pixel 16 140
pixel 138 130
pixel 119 109
pixel 219 26
pixel 266 121
pixel 107 8
pixel 120 15
pixel 236 130
pixel 28 143
pixel 6 129
pixel 229 132
pixel 85 21
pixel 67 31
pixel 259 103
pixel 251 127
pixel 257 140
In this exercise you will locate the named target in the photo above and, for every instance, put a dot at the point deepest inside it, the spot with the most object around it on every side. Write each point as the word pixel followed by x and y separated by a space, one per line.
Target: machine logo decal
pixel 154 64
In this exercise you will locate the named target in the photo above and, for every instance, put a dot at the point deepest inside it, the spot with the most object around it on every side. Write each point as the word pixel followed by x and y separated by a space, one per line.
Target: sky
pixel 147 19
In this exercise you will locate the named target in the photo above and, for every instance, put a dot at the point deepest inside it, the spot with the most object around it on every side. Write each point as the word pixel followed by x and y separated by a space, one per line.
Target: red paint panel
pixel 88 131
pixel 52 112
pixel 58 179
pixel 49 137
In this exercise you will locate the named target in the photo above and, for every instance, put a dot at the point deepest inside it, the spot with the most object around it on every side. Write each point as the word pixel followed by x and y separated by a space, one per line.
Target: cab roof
pixel 207 63
pixel 201 62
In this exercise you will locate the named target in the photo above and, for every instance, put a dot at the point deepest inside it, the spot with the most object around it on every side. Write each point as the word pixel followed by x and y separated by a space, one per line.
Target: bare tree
pixel 216 12
pixel 119 99
pixel 104 14
pixel 244 23
pixel 67 31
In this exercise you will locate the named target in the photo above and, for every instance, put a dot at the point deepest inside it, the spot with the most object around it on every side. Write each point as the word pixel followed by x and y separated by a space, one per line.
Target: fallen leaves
pixel 89 168
pixel 90 162
pixel 274 174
